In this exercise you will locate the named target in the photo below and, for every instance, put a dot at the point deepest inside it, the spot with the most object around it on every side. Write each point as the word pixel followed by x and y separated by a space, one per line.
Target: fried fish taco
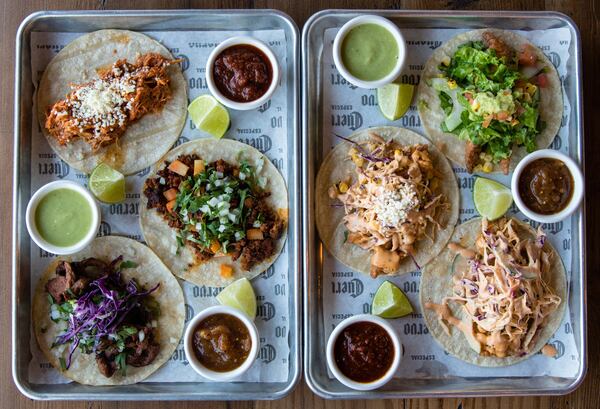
pixel 497 293
pixel 112 96
pixel 488 97
pixel 111 314
pixel 386 201
pixel 215 211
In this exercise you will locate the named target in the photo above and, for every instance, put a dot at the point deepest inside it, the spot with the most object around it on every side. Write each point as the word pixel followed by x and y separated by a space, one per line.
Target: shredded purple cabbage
pixel 101 318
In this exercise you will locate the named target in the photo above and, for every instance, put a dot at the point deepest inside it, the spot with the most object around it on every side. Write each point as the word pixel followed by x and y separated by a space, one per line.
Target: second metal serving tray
pixel 315 332
pixel 156 21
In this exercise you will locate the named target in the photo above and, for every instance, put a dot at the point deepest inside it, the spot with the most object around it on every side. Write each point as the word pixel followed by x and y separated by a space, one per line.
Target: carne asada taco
pixel 386 201
pixel 497 293
pixel 215 211
pixel 111 314
pixel 487 97
pixel 112 96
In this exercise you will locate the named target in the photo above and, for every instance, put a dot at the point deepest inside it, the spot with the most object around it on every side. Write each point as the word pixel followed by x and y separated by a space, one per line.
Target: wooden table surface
pixel 585 15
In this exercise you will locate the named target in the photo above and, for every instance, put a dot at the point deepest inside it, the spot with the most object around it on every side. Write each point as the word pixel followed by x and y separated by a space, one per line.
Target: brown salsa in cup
pixel 221 342
pixel 546 185
pixel 364 352
pixel 242 73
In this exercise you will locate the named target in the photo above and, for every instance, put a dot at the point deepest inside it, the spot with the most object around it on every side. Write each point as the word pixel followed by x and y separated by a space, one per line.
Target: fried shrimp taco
pixel 112 96
pixel 487 97
pixel 497 293
pixel 215 211
pixel 386 201
pixel 111 314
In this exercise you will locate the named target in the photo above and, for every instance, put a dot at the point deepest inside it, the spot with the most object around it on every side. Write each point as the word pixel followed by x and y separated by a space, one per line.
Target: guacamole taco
pixel 496 295
pixel 111 314
pixel 112 96
pixel 215 211
pixel 386 201
pixel 488 97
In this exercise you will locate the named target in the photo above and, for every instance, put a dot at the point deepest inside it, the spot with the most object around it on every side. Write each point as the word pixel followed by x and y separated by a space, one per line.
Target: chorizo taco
pixel 386 201
pixel 488 97
pixel 112 96
pixel 496 295
pixel 111 314
pixel 215 211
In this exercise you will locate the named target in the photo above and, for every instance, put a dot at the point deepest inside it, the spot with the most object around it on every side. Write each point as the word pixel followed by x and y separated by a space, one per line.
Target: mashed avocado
pixel 486 103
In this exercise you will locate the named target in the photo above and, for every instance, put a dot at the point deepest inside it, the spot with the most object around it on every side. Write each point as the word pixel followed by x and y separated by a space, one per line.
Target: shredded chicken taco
pixel 215 211
pixel 112 96
pixel 496 295
pixel 488 97
pixel 386 201
pixel 111 314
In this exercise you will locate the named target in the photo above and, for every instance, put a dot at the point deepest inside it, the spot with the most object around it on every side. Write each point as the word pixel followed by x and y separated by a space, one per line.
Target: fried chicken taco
pixel 487 98
pixel 496 295
pixel 215 211
pixel 386 201
pixel 111 314
pixel 112 96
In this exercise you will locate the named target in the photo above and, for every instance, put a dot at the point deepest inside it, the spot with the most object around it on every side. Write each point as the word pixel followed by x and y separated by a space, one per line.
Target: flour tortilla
pixel 162 238
pixel 149 271
pixel 432 115
pixel 144 141
pixel 436 283
pixel 337 166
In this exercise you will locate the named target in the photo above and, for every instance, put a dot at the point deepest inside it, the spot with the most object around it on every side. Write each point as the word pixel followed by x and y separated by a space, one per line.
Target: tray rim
pixel 294 174
pixel 312 382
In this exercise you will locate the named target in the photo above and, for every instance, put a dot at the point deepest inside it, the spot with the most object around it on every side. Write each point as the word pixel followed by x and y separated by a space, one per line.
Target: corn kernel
pixel 476 105
pixel 446 61
pixel 343 187
pixel 487 167
pixel 531 89
pixel 358 161
pixel 451 84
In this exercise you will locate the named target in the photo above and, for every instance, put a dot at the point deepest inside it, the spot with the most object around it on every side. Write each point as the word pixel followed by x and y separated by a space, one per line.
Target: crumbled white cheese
pixel 392 206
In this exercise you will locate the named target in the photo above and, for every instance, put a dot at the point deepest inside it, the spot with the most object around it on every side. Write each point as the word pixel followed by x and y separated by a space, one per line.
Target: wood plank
pixel 585 14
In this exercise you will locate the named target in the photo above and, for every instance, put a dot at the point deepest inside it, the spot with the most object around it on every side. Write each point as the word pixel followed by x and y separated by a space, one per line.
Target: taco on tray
pixel 111 314
pixel 215 211
pixel 112 96
pixel 497 293
pixel 386 201
pixel 487 97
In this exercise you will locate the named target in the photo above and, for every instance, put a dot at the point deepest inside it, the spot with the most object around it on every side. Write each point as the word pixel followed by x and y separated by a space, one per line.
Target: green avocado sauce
pixel 63 217
pixel 369 52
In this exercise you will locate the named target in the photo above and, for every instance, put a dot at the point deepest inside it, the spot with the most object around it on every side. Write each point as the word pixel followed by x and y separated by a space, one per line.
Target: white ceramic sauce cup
pixel 578 186
pixel 242 106
pixel 369 19
pixel 330 353
pixel 188 339
pixel 32 207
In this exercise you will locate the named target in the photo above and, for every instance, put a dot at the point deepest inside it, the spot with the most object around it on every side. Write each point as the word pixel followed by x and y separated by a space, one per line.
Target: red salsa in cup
pixel 364 352
pixel 242 73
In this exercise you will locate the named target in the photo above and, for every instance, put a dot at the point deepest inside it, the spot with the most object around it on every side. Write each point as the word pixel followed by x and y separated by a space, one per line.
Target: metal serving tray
pixel 176 20
pixel 314 334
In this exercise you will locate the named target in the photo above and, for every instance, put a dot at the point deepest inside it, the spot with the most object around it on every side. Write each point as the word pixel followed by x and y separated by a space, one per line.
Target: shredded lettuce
pixel 476 69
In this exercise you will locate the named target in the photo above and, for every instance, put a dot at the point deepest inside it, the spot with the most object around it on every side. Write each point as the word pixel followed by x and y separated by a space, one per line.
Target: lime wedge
pixel 209 116
pixel 394 99
pixel 491 198
pixel 240 295
pixel 107 184
pixel 390 302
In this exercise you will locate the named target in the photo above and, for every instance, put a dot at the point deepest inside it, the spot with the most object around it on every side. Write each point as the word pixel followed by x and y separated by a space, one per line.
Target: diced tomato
pixel 542 80
pixel 178 167
pixel 487 120
pixel 520 110
pixel 226 271
pixel 469 97
pixel 170 206
pixel 502 115
pixel 527 56
pixel 170 194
